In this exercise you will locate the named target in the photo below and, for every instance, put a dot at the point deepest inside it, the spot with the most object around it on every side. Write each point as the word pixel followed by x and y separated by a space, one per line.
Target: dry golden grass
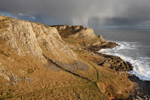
pixel 79 41
pixel 112 84
pixel 41 77
pixel 93 58
pixel 86 92
pixel 3 23
pixel 108 81
pixel 47 84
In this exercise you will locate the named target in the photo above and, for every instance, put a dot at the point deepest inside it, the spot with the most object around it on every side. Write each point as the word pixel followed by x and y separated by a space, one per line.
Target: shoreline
pixel 141 87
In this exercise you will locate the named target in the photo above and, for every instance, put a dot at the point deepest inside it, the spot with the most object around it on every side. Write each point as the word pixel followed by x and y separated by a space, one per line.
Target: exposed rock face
pixel 62 27
pixel 34 39
pixel 84 37
pixel 101 45
pixel 86 33
pixel 76 32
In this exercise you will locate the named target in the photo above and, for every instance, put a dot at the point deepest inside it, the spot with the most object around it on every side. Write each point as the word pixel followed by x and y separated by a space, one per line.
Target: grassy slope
pixel 49 84
pixel 44 82
pixel 110 83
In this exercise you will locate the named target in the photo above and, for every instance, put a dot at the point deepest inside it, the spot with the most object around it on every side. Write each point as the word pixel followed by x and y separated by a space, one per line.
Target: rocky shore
pixel 142 88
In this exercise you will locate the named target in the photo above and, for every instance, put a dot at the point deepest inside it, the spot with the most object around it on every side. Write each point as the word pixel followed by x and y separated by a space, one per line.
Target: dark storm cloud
pixel 122 12
pixel 85 12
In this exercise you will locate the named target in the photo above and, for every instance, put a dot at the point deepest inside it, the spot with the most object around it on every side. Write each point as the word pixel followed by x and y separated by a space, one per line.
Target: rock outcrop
pixel 116 63
pixel 85 37
pixel 86 33
pixel 34 39
pixel 76 32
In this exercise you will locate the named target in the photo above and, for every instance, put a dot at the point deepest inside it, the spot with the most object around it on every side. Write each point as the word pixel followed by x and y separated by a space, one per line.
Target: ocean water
pixel 134 47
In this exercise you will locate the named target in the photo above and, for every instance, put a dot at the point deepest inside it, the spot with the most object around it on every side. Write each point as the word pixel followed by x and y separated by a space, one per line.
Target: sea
pixel 134 47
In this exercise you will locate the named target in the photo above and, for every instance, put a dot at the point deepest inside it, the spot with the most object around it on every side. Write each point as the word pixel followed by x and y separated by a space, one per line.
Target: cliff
pixel 53 62
pixel 79 33
pixel 34 39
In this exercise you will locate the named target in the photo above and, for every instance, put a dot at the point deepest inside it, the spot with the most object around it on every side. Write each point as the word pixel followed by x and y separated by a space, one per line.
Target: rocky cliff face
pixel 53 62
pixel 34 39
pixel 83 37
pixel 86 33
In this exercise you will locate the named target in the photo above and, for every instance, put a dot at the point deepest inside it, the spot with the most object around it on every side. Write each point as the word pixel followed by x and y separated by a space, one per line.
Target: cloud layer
pixel 84 12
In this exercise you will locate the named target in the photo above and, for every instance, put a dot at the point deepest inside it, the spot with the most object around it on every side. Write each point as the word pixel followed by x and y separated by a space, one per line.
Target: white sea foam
pixel 125 45
pixel 141 65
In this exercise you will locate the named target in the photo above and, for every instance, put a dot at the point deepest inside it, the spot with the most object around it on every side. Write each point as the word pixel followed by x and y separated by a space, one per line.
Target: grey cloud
pixel 84 12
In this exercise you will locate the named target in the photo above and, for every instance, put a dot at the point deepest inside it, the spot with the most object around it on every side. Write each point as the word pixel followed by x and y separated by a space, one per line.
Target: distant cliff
pixel 52 62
